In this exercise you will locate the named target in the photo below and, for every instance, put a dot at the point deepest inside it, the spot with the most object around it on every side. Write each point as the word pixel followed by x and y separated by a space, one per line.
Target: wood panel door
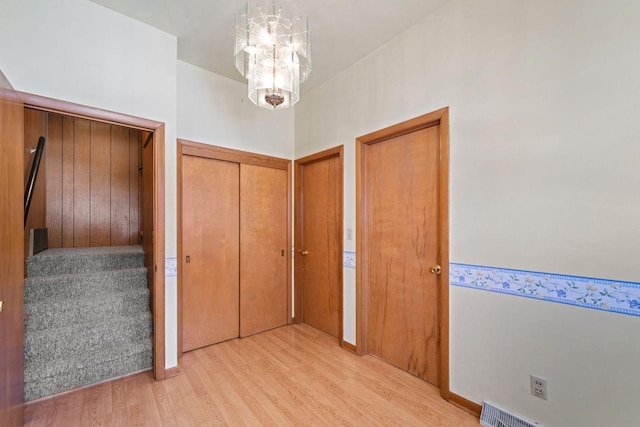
pixel 210 248
pixel 11 254
pixel 319 240
pixel 402 239
pixel 263 249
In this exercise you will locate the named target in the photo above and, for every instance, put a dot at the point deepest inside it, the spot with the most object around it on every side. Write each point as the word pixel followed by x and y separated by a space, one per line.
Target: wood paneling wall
pixel 92 183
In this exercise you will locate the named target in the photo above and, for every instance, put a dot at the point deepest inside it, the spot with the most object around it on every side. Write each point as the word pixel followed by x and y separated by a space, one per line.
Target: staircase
pixel 87 318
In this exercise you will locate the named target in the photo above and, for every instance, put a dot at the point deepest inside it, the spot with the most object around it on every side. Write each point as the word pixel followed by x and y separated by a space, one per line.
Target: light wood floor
pixel 294 375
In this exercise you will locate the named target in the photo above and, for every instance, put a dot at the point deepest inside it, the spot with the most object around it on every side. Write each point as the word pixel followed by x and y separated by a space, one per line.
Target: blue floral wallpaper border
pixel 349 259
pixel 170 267
pixel 600 294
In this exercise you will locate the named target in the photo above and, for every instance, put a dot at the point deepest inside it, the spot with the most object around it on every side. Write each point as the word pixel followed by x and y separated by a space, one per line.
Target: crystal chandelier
pixel 273 51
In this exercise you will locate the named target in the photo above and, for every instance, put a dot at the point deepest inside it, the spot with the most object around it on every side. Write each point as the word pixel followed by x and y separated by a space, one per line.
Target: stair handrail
pixel 33 174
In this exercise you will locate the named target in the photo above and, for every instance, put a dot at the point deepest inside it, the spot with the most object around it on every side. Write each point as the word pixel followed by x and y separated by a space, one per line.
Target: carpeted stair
pixel 87 318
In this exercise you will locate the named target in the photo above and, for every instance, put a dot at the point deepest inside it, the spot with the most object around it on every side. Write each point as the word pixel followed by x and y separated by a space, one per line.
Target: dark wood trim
pixel 157 128
pixel 427 120
pixel 198 149
pixel 321 155
pixel 180 253
pixel 441 118
pixel 443 225
pixel 298 289
pixel 12 251
pixel 350 347
pixel 159 365
pixel 341 233
pixel 172 372
pixel 471 407
pixel 297 226
pixel 361 274
pixel 85 112
pixel 289 242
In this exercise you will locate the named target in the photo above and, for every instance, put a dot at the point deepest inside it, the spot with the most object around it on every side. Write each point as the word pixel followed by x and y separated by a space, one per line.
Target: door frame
pixel 299 231
pixel 441 118
pixel 12 253
pixel 198 149
pixel 38 102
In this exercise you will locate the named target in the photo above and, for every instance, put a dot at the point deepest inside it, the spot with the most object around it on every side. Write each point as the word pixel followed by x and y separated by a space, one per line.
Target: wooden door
pixel 210 245
pixel 402 200
pixel 11 254
pixel 263 249
pixel 319 201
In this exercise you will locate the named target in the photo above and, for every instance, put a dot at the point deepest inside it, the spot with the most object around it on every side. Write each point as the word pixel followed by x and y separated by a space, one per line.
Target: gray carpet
pixel 87 318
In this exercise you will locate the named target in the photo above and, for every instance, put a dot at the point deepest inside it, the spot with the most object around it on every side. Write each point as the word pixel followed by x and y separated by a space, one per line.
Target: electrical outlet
pixel 539 387
pixel 349 233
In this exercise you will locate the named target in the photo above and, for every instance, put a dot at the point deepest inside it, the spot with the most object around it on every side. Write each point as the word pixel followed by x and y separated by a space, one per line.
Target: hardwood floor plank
pixel 97 403
pixel 163 404
pixel 140 401
pixel 118 398
pixel 233 408
pixel 259 406
pixel 291 376
pixel 281 399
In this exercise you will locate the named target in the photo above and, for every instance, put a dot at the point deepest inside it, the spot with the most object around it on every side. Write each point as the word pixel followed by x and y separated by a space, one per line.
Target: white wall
pixel 544 98
pixel 215 110
pixel 77 51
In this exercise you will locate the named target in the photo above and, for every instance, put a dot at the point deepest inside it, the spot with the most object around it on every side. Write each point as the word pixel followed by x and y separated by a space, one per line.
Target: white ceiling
pixel 342 31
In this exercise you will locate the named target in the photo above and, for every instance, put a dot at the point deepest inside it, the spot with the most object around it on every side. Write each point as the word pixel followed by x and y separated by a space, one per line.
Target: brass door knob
pixel 436 269
pixel 304 252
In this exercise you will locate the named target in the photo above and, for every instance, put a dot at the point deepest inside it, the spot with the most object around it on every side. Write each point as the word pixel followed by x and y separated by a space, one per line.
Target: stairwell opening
pixel 92 299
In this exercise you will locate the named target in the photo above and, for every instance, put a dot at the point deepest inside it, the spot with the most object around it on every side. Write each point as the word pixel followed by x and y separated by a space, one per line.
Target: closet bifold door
pixel 210 265
pixel 263 249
